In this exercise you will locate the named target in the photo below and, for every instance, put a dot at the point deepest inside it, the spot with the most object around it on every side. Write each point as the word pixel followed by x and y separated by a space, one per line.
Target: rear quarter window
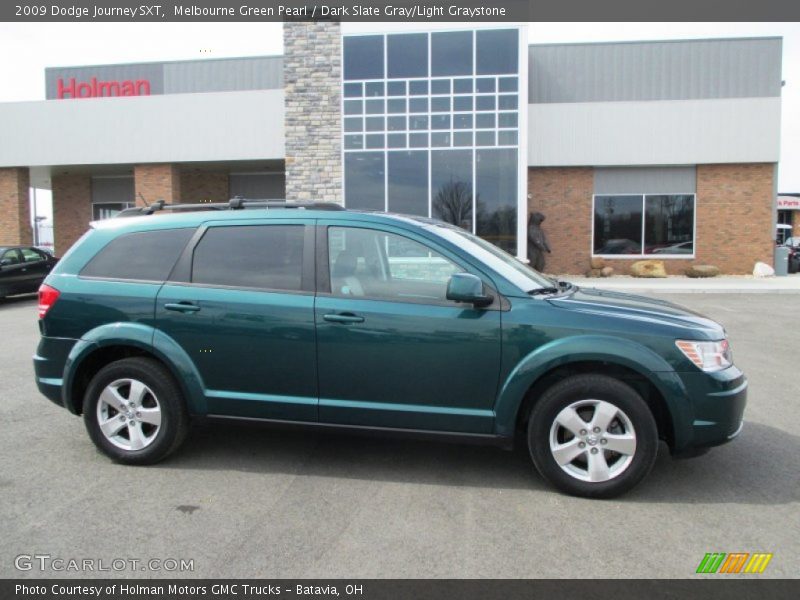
pixel 142 256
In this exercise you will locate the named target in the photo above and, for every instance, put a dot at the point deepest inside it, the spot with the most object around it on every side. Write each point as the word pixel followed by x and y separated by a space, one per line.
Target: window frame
pixel 642 255
pixel 323 271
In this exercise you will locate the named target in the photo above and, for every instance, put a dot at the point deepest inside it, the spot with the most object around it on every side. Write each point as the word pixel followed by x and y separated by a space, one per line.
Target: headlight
pixel 708 356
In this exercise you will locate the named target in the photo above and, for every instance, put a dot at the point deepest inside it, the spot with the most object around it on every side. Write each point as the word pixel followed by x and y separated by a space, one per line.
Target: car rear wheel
pixel 592 436
pixel 135 412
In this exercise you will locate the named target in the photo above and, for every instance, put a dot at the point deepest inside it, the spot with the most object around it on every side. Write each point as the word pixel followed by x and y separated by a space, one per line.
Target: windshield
pixel 518 273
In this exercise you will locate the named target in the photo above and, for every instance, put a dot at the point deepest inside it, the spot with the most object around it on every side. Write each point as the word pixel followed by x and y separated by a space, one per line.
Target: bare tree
pixel 453 204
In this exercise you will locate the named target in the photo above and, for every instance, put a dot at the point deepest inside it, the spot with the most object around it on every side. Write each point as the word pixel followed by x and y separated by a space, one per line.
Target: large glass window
pixel 451 53
pixel 375 264
pixel 364 184
pixel 669 224
pixel 497 51
pixel 408 182
pixel 496 197
pixel 451 187
pixel 363 57
pixel 407 55
pixel 437 133
pixel 252 256
pixel 636 225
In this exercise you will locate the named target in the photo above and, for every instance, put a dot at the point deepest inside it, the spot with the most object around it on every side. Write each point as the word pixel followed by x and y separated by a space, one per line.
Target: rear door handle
pixel 184 307
pixel 343 318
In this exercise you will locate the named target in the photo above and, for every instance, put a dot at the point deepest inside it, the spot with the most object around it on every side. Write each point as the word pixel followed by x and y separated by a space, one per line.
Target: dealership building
pixel 652 149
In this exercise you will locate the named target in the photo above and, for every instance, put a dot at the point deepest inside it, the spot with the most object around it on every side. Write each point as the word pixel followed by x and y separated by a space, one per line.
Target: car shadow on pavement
pixel 269 449
pixel 758 468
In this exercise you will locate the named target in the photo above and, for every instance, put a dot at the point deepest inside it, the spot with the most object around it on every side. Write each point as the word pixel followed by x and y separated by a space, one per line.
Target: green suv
pixel 317 316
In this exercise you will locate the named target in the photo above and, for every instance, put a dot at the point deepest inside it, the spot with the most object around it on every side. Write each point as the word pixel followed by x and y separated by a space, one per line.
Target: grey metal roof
pixel 655 70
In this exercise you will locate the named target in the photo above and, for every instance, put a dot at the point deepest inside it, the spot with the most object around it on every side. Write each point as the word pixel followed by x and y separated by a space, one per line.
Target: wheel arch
pixel 109 343
pixel 641 368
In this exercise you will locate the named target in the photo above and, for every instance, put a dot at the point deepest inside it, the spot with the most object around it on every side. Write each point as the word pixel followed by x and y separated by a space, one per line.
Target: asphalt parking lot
pixel 244 501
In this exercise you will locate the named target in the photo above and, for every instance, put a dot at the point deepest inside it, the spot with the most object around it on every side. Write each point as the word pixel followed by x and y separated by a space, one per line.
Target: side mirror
pixel 465 287
pixel 5 262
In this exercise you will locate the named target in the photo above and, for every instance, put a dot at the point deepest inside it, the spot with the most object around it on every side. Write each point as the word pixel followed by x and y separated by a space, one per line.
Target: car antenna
pixel 146 203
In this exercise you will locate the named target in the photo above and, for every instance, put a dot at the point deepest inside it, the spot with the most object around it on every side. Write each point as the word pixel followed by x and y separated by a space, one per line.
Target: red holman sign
pixel 71 88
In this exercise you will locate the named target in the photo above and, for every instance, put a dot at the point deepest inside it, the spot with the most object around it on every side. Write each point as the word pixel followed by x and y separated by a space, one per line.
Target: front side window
pixel 365 263
pixel 141 256
pixel 252 256
pixel 29 255
pixel 638 225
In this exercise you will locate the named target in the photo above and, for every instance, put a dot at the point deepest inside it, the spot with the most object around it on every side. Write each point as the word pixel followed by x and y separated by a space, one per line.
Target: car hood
pixel 639 308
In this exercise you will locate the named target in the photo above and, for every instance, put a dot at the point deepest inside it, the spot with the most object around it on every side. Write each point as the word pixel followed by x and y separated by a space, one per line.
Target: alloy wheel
pixel 592 440
pixel 129 414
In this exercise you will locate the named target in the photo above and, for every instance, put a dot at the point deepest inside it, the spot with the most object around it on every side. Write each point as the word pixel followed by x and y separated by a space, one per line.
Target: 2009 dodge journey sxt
pixel 315 315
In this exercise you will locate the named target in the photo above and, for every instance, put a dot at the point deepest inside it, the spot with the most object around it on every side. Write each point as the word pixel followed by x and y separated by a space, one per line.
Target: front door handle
pixel 343 318
pixel 184 307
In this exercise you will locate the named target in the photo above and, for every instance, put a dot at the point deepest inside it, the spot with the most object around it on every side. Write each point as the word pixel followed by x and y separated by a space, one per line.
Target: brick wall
pixel 157 182
pixel 204 186
pixel 312 74
pixel 564 196
pixel 735 222
pixel 734 218
pixel 15 211
pixel 72 209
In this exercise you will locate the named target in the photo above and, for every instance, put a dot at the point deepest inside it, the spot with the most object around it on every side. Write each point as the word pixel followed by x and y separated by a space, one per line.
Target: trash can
pixel 781 261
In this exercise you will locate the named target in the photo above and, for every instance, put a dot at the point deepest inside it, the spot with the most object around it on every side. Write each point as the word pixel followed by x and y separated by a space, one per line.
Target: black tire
pixel 166 395
pixel 592 387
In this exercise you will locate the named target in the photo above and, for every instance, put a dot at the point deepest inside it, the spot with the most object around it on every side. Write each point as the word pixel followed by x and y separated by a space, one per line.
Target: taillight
pixel 47 298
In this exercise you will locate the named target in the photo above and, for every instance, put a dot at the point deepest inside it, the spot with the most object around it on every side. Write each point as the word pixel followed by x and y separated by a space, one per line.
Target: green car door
pixel 242 309
pixel 392 350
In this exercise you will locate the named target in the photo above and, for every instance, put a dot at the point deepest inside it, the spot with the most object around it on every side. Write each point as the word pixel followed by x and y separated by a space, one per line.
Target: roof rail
pixel 237 203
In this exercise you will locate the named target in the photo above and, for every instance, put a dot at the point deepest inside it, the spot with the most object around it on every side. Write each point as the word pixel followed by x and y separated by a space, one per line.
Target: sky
pixel 28 48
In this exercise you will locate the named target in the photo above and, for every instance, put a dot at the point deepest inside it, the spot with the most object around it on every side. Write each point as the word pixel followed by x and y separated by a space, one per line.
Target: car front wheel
pixel 134 411
pixel 592 436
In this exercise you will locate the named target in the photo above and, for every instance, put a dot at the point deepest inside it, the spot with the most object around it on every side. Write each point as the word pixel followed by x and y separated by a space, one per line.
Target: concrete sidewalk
pixel 726 284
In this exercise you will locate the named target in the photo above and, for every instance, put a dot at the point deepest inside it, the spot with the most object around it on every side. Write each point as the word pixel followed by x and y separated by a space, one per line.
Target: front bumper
pixel 717 408
pixel 48 366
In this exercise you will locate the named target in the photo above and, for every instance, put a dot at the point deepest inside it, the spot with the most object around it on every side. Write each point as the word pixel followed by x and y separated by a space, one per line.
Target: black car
pixel 793 243
pixel 22 269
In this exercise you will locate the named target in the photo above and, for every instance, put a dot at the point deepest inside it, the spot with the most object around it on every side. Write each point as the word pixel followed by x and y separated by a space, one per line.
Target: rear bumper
pixel 718 402
pixel 48 366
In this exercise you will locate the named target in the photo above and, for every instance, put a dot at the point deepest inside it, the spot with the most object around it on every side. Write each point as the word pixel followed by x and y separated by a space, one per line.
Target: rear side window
pixel 251 256
pixel 143 256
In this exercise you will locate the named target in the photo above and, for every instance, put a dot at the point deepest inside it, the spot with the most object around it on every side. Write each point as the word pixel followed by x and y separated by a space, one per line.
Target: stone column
pixel 312 72
pixel 15 211
pixel 72 209
pixel 157 182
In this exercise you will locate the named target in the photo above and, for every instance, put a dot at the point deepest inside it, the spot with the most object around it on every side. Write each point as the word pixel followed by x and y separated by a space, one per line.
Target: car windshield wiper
pixel 566 285
pixel 544 290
